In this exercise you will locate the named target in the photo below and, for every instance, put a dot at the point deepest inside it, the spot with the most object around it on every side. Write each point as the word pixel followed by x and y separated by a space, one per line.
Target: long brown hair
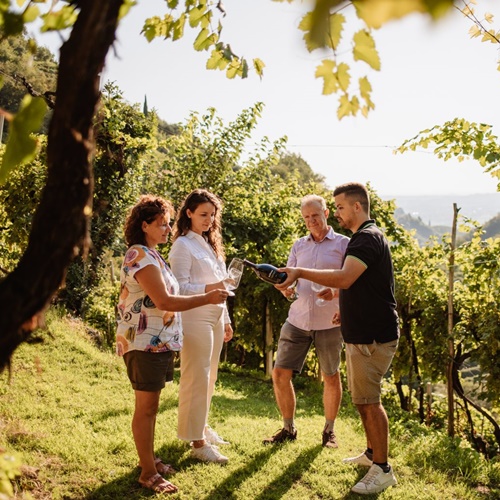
pixel 183 223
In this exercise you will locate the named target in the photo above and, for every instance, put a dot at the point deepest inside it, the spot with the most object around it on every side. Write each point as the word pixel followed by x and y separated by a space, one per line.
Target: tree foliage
pixel 261 215
pixel 463 140
pixel 25 67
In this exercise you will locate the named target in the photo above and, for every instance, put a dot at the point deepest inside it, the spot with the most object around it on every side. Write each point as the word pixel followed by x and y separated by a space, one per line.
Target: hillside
pixel 67 410
pixel 424 231
pixel 437 210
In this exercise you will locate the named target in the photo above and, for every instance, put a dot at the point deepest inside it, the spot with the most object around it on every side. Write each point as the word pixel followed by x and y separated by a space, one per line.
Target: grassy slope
pixel 67 413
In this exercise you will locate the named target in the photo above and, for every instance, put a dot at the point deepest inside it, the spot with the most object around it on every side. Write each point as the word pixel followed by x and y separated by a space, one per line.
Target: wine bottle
pixel 266 272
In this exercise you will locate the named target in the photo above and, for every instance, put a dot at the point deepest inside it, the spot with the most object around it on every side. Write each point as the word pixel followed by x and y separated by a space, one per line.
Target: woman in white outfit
pixel 197 261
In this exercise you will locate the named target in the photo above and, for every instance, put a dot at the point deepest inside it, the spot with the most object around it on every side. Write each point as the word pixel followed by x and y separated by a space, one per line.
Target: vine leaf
pixel 375 13
pixel 364 49
pixel 21 148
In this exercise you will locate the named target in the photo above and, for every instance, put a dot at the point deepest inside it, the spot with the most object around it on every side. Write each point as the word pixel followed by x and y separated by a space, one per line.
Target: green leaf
pixel 336 25
pixel 125 8
pixel 343 76
pixel 12 24
pixel 365 87
pixel 196 15
pixel 259 67
pixel 305 25
pixel 204 40
pixel 21 148
pixel 326 71
pixel 155 26
pixel 179 27
pixel 364 49
pixel 377 12
pixel 234 69
pixel 216 60
pixel 344 108
pixel 62 19
pixel 31 13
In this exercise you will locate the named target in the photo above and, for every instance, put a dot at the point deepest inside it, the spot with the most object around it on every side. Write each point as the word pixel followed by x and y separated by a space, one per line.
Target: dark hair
pixel 147 209
pixel 183 223
pixel 356 191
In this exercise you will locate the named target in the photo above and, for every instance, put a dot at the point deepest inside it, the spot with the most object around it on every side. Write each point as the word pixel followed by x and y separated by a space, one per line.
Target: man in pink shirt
pixel 313 318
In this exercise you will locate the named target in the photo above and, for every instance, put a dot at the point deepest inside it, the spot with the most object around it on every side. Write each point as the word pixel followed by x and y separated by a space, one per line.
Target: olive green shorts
pixel 148 371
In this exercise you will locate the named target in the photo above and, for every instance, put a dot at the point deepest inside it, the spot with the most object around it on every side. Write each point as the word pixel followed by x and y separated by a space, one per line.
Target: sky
pixel 430 73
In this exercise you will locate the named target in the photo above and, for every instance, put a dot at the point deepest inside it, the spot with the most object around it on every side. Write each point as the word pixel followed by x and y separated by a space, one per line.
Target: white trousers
pixel 203 329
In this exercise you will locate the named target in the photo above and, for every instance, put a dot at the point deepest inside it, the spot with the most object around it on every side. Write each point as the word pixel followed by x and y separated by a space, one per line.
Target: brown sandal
pixel 159 485
pixel 162 468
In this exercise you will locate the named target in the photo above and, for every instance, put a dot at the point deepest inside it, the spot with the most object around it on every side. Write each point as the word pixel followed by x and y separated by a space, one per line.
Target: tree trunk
pixel 61 222
pixel 479 443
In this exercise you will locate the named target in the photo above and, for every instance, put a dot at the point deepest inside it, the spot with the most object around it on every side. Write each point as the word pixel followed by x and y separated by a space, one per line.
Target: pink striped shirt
pixel 328 253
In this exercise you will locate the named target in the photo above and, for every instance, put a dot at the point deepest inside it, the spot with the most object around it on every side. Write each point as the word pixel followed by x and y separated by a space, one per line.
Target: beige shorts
pixel 366 366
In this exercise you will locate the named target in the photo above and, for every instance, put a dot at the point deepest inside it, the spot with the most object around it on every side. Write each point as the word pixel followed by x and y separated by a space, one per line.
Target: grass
pixel 67 409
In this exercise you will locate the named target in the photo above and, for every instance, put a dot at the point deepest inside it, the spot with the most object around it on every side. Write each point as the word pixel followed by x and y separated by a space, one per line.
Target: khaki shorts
pixel 148 371
pixel 366 366
pixel 294 345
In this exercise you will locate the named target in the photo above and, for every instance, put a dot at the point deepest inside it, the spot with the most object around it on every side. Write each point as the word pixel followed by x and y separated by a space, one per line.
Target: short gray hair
pixel 313 198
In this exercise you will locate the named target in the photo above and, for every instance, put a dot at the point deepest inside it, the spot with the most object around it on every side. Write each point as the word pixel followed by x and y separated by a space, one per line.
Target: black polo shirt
pixel 368 306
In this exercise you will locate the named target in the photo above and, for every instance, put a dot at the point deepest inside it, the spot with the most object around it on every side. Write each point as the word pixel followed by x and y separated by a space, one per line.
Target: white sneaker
pixel 359 460
pixel 375 481
pixel 212 437
pixel 208 453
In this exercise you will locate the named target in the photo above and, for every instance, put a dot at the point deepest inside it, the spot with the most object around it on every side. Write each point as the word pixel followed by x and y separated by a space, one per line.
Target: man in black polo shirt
pixel 369 325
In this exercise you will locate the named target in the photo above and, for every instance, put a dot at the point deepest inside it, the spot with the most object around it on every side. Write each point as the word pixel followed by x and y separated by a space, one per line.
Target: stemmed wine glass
pixel 233 277
pixel 316 288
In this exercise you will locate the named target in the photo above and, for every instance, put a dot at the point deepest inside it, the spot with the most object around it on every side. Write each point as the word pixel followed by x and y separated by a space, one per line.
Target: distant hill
pixel 492 227
pixel 437 210
pixel 423 231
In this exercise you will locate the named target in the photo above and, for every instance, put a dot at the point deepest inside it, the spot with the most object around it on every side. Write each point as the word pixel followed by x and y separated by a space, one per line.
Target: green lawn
pixel 67 410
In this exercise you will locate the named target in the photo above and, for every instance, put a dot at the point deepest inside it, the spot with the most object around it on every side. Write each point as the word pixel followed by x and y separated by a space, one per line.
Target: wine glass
pixel 233 277
pixel 294 295
pixel 316 288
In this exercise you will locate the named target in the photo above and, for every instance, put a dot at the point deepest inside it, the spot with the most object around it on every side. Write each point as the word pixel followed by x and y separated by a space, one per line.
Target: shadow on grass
pixel 127 485
pixel 277 488
pixel 257 397
pixel 225 489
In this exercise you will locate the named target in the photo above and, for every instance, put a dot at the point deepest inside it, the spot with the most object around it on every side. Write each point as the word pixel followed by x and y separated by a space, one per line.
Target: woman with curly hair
pixel 197 260
pixel 149 326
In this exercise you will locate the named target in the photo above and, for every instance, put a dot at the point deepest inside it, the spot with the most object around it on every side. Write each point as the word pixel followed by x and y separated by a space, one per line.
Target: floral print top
pixel 141 325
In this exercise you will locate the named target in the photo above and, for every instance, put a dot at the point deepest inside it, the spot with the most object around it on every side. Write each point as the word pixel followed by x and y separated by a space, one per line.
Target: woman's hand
pixel 214 286
pixel 217 296
pixel 228 332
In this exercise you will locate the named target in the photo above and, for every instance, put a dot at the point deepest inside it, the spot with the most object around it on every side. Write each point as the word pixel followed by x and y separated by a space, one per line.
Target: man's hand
pixel 293 275
pixel 326 294
pixel 336 319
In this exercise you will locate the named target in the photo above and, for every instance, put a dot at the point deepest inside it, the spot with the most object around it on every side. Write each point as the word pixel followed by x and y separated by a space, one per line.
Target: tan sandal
pixel 162 468
pixel 159 485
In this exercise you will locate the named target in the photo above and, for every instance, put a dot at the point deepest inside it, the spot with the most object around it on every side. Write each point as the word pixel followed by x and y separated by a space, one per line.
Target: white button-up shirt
pixel 325 254
pixel 194 264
